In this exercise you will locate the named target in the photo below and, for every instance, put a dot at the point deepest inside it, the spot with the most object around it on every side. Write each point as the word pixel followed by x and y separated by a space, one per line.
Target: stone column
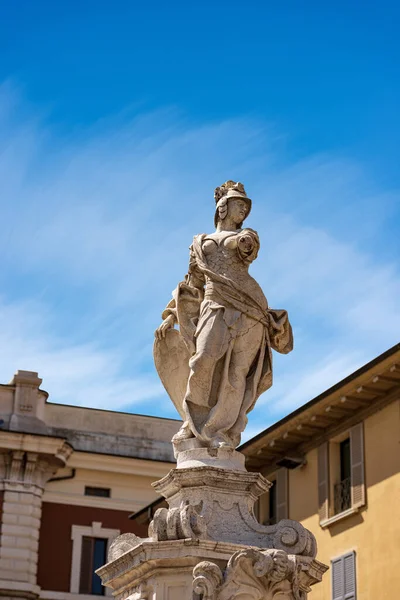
pixel 27 462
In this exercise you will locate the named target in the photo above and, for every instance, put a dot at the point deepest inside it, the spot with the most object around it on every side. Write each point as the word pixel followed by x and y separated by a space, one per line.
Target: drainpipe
pixel 64 477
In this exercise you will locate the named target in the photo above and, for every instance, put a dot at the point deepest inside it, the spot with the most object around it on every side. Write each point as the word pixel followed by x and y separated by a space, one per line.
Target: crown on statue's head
pixel 230 189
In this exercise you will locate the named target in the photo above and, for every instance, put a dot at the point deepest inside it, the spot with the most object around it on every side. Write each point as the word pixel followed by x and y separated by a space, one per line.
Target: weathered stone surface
pixel 257 575
pixel 123 543
pixel 220 361
pixel 190 453
pixel 217 504
pixel 24 474
pixel 177 569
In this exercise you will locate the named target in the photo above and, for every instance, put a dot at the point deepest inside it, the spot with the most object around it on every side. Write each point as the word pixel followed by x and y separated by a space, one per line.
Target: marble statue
pixel 219 361
pixel 208 542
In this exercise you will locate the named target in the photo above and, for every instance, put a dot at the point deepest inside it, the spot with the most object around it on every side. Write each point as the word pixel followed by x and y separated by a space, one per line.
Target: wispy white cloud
pixel 94 235
pixel 80 374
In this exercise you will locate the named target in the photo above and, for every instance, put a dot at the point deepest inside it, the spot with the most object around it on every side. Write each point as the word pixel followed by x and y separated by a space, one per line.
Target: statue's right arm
pixel 195 279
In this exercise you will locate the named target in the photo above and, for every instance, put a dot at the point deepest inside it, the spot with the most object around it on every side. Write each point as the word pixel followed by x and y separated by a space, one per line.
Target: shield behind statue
pixel 171 358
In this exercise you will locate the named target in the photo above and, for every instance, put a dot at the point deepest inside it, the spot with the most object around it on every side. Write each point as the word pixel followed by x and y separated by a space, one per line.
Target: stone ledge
pixel 18 586
pixel 183 552
pixel 49 595
pixel 156 561
pixel 340 516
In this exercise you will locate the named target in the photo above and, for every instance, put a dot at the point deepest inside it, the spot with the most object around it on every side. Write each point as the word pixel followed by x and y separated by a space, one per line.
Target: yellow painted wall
pixel 374 532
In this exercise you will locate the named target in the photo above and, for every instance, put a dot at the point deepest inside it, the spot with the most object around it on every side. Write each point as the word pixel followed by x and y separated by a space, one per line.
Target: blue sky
pixel 116 123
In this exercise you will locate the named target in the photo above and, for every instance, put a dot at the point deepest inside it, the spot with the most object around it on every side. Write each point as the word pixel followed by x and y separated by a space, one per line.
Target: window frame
pixel 78 532
pixel 329 463
pixel 87 579
pixel 345 595
pixel 103 489
pixel 280 479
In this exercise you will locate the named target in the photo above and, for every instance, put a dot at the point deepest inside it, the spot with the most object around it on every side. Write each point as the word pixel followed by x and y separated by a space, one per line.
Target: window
pixel 93 556
pixel 97 491
pixel 274 504
pixel 90 545
pixel 343 571
pixel 342 489
pixel 341 485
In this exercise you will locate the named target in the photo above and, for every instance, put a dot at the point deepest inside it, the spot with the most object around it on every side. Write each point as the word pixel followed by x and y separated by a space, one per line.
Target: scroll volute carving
pixel 250 575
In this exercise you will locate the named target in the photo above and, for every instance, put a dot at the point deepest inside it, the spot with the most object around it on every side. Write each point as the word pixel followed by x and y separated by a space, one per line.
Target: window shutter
pixel 281 494
pixel 349 569
pixel 323 482
pixel 256 508
pixel 344 577
pixel 357 466
pixel 85 583
pixel 337 579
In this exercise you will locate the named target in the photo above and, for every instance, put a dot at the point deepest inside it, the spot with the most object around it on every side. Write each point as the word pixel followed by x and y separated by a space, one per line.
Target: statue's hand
pixel 168 323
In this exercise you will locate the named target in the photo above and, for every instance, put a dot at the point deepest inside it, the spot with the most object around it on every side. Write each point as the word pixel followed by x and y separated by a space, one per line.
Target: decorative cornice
pixel 42 444
pixel 27 468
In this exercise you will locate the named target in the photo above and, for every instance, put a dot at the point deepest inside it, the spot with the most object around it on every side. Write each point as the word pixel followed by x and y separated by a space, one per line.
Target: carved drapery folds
pixel 253 575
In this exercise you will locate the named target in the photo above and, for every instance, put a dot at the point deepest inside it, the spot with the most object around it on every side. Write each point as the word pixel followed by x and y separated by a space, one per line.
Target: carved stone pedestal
pixel 216 504
pixel 208 545
pixel 200 569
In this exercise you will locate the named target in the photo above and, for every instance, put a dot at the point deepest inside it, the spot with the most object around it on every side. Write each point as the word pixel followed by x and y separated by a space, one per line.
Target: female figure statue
pixel 220 361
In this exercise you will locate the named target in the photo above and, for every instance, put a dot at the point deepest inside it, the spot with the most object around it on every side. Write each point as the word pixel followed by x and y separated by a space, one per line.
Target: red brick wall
pixel 55 544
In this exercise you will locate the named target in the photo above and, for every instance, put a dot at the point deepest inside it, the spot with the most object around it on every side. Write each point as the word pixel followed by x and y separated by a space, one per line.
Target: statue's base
pixel 217 504
pixel 192 453
pixel 190 569
pixel 208 542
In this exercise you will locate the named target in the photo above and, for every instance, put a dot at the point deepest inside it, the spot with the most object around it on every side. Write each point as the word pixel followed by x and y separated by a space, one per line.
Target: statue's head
pixel 230 198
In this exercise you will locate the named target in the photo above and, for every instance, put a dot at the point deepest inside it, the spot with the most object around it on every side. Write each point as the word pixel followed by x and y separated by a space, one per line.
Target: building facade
pixel 335 467
pixel 69 479
pixel 72 479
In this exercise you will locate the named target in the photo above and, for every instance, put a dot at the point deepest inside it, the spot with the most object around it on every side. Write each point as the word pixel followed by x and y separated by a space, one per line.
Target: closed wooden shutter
pixel 281 494
pixel 357 465
pixel 337 579
pixel 344 577
pixel 323 482
pixel 349 569
pixel 85 583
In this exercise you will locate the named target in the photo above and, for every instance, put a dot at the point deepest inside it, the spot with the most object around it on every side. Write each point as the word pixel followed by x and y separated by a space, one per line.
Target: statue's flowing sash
pixel 172 353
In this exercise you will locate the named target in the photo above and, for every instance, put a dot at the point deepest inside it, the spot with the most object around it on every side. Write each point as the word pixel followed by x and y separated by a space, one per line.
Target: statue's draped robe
pixel 229 331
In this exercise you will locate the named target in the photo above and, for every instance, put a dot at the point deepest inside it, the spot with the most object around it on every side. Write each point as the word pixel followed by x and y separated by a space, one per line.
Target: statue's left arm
pixel 248 245
pixel 280 331
pixel 279 327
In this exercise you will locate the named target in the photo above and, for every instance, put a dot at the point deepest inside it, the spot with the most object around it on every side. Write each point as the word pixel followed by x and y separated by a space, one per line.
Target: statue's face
pixel 237 210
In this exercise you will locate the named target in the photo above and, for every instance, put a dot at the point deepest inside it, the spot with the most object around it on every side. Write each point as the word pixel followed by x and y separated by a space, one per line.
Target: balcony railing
pixel 342 495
